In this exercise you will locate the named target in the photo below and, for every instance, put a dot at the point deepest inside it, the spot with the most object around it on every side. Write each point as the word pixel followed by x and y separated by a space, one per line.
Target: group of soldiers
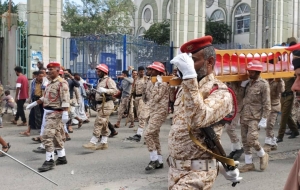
pixel 202 102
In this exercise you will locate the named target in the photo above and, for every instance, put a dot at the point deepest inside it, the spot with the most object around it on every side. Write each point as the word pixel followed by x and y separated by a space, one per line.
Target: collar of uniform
pixel 206 79
pixel 56 79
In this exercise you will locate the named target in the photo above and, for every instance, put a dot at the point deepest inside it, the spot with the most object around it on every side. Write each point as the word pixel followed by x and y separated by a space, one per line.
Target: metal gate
pixel 116 50
pixel 21 44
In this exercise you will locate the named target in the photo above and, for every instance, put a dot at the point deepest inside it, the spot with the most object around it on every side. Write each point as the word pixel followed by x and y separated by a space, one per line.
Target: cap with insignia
pixel 53 64
pixel 196 45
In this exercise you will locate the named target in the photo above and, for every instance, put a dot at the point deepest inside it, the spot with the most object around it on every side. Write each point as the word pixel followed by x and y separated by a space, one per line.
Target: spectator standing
pixel 21 96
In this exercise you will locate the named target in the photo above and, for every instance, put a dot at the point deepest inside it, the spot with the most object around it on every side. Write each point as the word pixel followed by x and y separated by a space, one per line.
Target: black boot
pixel 152 165
pixel 61 160
pixel 136 138
pixel 47 165
pixel 294 135
pixel 231 154
pixel 238 154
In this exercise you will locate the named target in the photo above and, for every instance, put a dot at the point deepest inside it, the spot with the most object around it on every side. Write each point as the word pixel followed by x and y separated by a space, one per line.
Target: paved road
pixel 121 167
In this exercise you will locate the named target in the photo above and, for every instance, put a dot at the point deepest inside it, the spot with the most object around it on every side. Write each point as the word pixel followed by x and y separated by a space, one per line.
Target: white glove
pixel 244 83
pixel 231 175
pixel 159 79
pixel 262 123
pixel 102 90
pixel 65 117
pixel 30 106
pixel 185 64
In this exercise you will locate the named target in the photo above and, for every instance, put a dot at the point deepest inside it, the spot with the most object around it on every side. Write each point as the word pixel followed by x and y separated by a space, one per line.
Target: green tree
pixel 159 33
pixel 219 31
pixel 4 7
pixel 98 17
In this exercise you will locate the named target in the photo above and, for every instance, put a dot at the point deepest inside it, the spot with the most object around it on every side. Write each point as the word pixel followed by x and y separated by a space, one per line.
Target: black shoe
pixel 238 154
pixel 160 166
pixel 298 124
pixel 113 134
pixel 152 165
pixel 47 165
pixel 61 160
pixel 294 135
pixel 39 150
pixel 231 154
pixel 136 138
pixel 288 132
pixel 279 140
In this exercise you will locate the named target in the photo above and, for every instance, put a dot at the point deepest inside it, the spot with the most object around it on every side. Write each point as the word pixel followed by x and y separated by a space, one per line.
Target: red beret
pixel 54 64
pixel 196 45
pixel 103 67
pixel 255 66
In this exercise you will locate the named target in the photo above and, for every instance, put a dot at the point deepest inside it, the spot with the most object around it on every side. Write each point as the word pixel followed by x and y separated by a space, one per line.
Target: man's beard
pixel 202 72
pixel 101 75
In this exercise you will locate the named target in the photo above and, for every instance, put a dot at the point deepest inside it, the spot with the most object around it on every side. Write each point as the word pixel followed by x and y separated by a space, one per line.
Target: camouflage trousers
pixel 53 134
pixel 138 104
pixel 249 132
pixel 230 129
pixel 151 133
pixel 124 107
pixel 191 180
pixel 102 119
pixel 296 111
pixel 270 124
pixel 144 116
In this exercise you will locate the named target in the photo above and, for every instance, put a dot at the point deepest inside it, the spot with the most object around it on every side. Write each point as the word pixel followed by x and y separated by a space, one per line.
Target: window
pixel 147 15
pixel 242 19
pixel 217 16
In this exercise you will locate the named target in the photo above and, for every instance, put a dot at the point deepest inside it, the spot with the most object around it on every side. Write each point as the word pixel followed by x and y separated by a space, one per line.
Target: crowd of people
pixel 56 101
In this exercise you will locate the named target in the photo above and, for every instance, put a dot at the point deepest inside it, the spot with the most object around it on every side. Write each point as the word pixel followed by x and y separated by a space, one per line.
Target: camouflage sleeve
pixel 159 91
pixel 1 92
pixel 64 94
pixel 201 112
pixel 280 86
pixel 266 100
pixel 112 87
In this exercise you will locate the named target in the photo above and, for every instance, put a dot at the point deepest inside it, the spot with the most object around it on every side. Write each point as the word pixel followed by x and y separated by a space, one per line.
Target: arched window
pixel 217 16
pixel 242 19
pixel 147 15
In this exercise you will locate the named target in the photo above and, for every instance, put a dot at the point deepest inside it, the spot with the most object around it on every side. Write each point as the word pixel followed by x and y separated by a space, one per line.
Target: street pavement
pixel 122 165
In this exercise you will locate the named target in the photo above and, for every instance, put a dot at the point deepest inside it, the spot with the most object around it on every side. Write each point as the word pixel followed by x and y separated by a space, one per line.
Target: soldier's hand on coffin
pixel 262 123
pixel 244 83
pixel 231 175
pixel 30 106
pixel 159 79
pixel 185 65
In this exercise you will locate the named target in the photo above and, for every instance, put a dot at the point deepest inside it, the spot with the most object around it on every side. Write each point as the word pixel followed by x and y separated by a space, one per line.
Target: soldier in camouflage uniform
pixel 56 101
pixel 276 88
pixel 144 86
pixel 287 101
pixel 190 166
pixel 236 148
pixel 158 113
pixel 254 113
pixel 105 87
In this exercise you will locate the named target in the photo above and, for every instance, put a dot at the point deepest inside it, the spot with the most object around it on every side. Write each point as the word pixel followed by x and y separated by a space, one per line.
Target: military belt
pixel 195 165
pixel 138 95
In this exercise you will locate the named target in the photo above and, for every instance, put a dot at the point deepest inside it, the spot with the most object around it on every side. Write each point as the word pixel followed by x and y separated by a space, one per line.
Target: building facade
pixel 261 24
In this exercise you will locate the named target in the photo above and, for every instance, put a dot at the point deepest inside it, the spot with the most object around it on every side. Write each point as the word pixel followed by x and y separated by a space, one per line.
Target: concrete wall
pixel 187 21
pixel 9 51
pixel 44 29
